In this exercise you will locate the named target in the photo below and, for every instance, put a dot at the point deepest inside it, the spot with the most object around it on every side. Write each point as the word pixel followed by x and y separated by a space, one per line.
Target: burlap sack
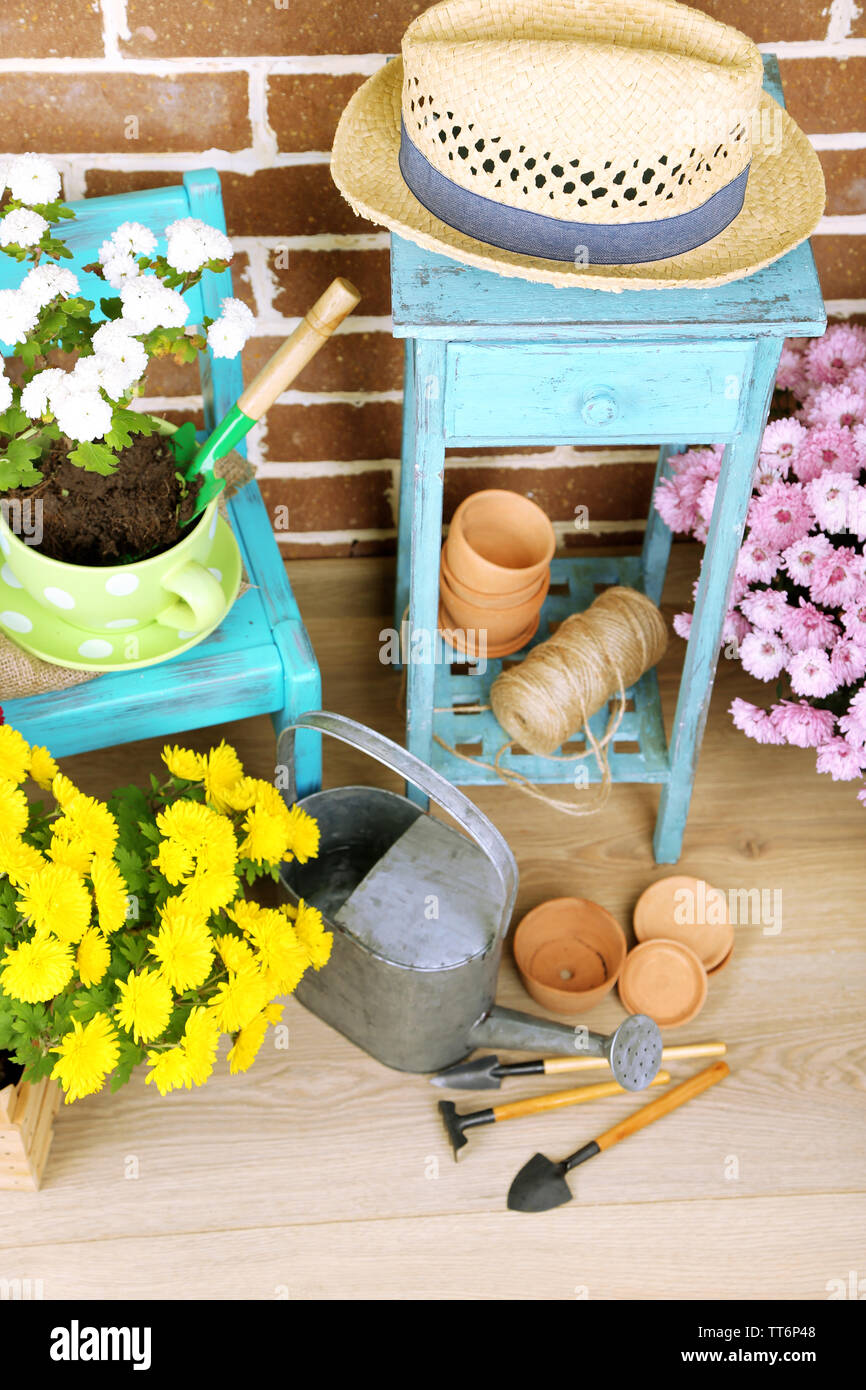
pixel 22 674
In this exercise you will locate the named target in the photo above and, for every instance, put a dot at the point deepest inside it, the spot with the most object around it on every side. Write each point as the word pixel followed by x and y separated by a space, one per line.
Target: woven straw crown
pixel 644 112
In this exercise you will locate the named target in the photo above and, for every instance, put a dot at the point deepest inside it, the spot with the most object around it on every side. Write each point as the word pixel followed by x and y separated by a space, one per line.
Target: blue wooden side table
pixel 260 660
pixel 494 361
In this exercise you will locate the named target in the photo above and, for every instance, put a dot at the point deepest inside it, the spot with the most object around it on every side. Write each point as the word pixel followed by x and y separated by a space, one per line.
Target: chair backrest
pixel 95 218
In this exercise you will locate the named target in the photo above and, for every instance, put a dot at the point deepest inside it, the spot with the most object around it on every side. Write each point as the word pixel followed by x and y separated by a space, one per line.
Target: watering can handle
pixel 464 811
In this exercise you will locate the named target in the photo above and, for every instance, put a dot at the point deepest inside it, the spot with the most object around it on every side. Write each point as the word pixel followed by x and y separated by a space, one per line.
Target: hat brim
pixel 783 204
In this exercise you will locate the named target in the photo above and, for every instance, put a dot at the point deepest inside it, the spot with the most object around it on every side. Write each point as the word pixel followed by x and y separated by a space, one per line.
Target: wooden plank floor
pixel 320 1174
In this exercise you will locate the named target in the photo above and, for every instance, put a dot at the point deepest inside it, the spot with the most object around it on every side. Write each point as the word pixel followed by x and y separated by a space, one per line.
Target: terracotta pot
pixel 474 643
pixel 569 952
pixel 664 979
pixel 501 624
pixel 680 908
pixel 486 600
pixel 499 542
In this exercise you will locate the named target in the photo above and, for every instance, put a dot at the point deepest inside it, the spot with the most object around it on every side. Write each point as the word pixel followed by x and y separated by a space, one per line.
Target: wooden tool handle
pixel 535 1105
pixel 314 330
pixel 685 1091
pixel 554 1065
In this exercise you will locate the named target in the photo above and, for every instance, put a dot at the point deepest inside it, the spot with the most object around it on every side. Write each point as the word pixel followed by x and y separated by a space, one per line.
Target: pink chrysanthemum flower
pixel 828 496
pixel 861 797
pixel 706 463
pixel 781 516
pixel 837 577
pixel 704 511
pixel 857 707
pixel 806 627
pixel 844 763
pixel 800 558
pixel 854 731
pixel 835 405
pixel 848 660
pixel 676 499
pixel 782 442
pixel 763 655
pixel 811 673
pixel 801 724
pixel 766 608
pixel 683 624
pixel 757 562
pixel 831 358
pixel 831 449
pixel 857 512
pixel 792 374
pixel 753 722
pixel 735 628
pixel 854 621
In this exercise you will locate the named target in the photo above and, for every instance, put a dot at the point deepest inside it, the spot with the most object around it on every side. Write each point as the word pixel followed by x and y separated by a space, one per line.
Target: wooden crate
pixel 26 1129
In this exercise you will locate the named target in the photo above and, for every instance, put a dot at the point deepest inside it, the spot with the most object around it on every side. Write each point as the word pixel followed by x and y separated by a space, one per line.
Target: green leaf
pixel 112 308
pixel 16 468
pixel 124 424
pixel 78 307
pixel 131 1055
pixel 94 458
pixel 13 420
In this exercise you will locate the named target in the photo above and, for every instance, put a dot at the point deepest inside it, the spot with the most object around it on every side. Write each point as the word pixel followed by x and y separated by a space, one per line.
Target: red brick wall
pixel 129 93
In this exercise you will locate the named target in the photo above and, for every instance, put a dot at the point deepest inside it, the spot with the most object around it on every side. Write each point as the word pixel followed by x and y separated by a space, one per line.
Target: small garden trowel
pixel 314 330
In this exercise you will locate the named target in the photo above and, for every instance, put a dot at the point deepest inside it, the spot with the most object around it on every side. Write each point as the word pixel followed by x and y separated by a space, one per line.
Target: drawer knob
pixel 599 406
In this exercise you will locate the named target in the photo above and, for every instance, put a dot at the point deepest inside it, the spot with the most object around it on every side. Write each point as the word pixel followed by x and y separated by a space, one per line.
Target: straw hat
pixel 615 144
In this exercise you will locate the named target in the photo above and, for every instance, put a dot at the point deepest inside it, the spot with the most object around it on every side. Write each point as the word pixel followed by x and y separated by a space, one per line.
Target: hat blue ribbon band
pixel 587 243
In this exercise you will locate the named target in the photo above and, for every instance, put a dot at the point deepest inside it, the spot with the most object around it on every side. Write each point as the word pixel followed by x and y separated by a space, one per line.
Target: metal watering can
pixel 419 913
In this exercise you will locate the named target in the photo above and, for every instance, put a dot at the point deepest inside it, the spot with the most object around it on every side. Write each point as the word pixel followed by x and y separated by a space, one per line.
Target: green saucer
pixel 47 636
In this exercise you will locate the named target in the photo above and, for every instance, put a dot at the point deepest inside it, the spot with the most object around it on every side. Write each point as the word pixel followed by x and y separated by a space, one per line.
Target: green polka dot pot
pixel 120 617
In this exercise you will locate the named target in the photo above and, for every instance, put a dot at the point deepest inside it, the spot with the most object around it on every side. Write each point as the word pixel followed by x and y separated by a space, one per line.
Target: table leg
pixel 407 458
pixel 424 459
pixel 717 572
pixel 657 537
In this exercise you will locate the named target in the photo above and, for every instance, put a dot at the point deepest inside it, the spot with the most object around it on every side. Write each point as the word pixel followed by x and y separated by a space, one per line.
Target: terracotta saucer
pixel 664 979
pixel 722 963
pixel 679 908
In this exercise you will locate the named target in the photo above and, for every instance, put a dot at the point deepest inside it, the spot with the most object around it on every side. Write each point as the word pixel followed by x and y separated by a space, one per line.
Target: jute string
pixel 592 657
pixel 22 674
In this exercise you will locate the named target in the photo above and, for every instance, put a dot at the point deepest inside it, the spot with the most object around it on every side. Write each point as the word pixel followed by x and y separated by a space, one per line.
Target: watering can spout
pixel 634 1050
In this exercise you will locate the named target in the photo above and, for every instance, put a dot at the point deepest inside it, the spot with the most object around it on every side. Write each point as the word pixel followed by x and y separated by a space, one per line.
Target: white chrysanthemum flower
pixel 5 391
pixel 18 314
pixel 82 415
pixel 86 374
pixel 225 338
pixel 112 331
pixel 133 239
pixel 22 227
pixel 192 243
pixel 32 179
pixel 121 364
pixel 45 282
pixel 35 398
pixel 147 304
pixel 118 268
pixel 236 309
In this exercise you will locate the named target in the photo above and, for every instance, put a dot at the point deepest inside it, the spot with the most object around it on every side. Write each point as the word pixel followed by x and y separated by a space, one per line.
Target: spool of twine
pixel 592 657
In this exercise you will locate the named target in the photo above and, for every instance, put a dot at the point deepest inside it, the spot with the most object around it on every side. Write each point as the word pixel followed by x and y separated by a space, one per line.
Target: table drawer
pixel 559 394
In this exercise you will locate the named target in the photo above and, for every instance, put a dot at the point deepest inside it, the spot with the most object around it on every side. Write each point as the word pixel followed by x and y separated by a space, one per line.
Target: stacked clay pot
pixel 495 571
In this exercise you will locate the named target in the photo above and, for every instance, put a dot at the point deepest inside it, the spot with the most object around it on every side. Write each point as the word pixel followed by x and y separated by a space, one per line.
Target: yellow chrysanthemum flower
pixel 311 934
pixel 145 1005
pixel 245 913
pixel 93 957
pixel 111 893
pixel 269 799
pixel 247 1044
pixel 280 951
pixel 14 811
pixel 183 947
pixel 303 835
pixel 200 1040
pixel 86 1055
pixel 234 952
pixel 174 861
pixel 14 754
pixel 37 970
pixel 223 772
pixel 242 795
pixel 273 1012
pixel 207 891
pixel 171 1070
pixel 238 999
pixel 267 837
pixel 63 790
pixel 85 818
pixel 43 768
pixel 183 763
pixel 73 853
pixel 18 860
pixel 187 822
pixel 56 899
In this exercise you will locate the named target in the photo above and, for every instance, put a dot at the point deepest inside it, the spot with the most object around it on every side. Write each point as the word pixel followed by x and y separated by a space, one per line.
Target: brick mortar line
pixel 362 533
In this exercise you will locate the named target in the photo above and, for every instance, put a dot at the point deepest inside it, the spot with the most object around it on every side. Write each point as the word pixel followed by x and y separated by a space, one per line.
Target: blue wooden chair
pixel 260 660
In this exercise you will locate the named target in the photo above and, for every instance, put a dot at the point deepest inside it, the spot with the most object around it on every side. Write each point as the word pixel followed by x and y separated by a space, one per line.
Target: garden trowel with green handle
pixel 314 330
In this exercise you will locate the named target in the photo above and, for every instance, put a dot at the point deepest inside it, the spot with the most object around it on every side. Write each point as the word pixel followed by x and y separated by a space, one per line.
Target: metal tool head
pixel 539 1186
pixel 481 1074
pixel 635 1052
pixel 453 1126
